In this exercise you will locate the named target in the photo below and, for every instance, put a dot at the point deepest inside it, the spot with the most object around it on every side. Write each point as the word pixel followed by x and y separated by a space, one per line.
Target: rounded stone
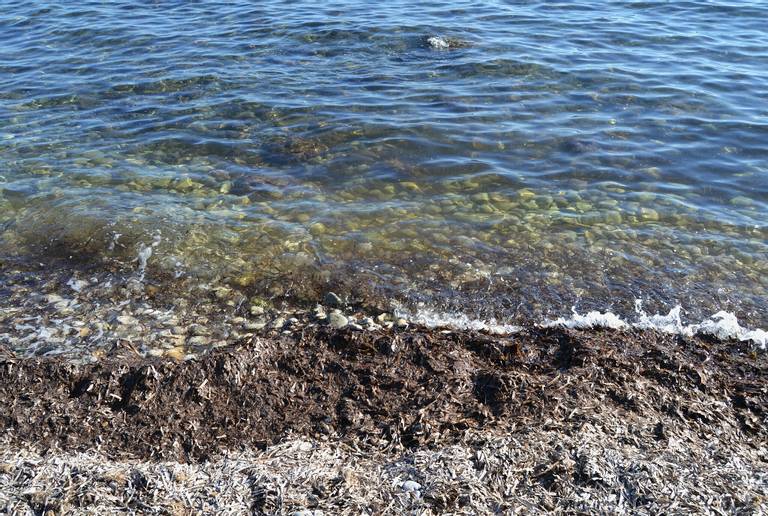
pixel 333 300
pixel 337 320
pixel 411 486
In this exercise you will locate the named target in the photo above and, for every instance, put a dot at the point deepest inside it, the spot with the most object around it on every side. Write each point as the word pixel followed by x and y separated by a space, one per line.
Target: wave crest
pixel 722 325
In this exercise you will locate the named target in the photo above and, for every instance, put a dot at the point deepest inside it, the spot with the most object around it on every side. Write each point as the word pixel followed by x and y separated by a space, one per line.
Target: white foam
pixel 145 252
pixel 432 318
pixel 113 241
pixel 670 323
pixel 438 43
pixel 593 319
pixel 725 325
pixel 722 325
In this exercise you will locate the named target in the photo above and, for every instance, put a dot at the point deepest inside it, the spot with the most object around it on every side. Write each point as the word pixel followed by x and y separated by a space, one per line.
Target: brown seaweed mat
pixel 418 420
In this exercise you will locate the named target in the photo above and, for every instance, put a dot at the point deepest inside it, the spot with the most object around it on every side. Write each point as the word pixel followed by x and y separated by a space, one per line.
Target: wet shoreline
pixel 89 310
pixel 153 393
pixel 166 394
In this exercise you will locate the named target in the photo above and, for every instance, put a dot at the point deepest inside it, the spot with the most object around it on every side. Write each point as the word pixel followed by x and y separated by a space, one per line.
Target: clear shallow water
pixel 555 153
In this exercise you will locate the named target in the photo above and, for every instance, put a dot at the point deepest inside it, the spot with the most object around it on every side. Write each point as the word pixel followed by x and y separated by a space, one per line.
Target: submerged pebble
pixel 333 300
pixel 198 340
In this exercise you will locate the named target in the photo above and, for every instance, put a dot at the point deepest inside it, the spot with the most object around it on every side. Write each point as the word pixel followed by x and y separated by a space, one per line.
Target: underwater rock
pixel 333 300
pixel 445 43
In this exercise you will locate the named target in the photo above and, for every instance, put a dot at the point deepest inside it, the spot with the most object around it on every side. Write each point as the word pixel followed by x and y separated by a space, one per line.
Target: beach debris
pixel 549 420
pixel 319 313
pixel 144 254
pixel 575 417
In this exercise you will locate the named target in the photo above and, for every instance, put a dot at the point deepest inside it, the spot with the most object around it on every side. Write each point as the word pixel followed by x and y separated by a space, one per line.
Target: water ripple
pixel 591 151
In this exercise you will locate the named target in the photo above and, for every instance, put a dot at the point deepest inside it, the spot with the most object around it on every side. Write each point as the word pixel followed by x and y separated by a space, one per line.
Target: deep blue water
pixel 509 157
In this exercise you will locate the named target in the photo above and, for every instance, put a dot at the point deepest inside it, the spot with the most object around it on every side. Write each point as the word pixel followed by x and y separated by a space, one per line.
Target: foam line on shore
pixel 433 318
pixel 722 325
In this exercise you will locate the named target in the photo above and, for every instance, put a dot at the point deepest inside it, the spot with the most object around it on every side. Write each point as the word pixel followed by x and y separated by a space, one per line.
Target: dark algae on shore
pixel 411 388
pixel 417 420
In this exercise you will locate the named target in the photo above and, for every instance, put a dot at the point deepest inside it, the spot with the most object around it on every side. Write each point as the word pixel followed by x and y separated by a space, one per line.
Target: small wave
pixel 593 319
pixel 722 325
pixel 432 318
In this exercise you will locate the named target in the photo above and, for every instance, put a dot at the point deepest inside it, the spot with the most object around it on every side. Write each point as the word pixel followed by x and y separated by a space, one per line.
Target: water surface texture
pixel 490 158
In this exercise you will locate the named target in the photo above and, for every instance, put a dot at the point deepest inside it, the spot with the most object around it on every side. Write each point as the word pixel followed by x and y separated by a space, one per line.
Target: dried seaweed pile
pixel 389 421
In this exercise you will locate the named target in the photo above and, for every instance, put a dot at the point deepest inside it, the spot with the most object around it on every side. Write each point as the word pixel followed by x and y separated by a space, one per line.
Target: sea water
pixel 490 160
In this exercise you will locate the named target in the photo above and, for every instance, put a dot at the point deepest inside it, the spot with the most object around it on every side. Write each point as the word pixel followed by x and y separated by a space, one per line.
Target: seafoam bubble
pixel 145 252
pixel 433 318
pixel 669 323
pixel 593 319
pixel 722 325
pixel 725 325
